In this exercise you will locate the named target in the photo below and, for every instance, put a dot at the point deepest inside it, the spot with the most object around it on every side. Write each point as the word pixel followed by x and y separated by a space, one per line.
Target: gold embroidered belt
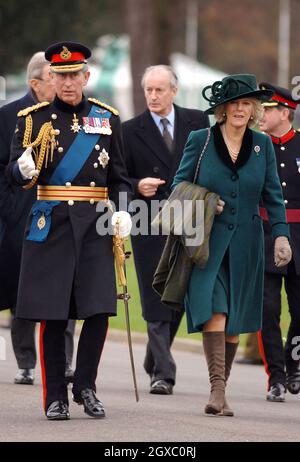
pixel 72 193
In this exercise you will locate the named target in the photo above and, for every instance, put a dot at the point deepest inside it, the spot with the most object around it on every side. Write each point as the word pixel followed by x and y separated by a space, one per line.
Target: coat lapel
pixel 150 135
pixel 223 153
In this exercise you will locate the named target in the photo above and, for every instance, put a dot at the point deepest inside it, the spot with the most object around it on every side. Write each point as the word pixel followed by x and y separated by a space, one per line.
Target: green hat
pixel 234 87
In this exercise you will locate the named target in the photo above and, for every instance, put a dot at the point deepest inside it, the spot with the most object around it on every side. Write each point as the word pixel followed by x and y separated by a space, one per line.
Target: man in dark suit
pixel 154 143
pixel 15 205
pixel 281 364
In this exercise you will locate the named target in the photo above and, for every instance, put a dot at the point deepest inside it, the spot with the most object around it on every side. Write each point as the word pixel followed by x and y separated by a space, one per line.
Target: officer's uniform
pixel 279 361
pixel 67 268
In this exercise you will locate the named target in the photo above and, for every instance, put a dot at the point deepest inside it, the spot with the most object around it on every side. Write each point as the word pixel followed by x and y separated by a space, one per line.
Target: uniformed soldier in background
pixel 282 368
pixel 72 149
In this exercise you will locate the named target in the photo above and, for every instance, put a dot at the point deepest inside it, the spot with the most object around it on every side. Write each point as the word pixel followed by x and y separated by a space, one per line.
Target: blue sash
pixel 66 171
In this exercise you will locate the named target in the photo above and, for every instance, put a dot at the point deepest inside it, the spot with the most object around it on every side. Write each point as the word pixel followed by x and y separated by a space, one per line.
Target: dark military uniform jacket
pixel 287 150
pixel 70 274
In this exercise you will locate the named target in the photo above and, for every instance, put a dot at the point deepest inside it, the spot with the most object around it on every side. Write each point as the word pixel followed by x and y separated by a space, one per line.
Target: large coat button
pixel 155 169
pixel 231 227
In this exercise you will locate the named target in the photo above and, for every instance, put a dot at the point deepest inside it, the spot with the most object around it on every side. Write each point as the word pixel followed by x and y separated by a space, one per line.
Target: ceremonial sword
pixel 120 258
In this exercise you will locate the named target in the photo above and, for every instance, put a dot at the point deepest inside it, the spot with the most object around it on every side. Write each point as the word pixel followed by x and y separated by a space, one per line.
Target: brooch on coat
pixel 103 158
pixel 257 150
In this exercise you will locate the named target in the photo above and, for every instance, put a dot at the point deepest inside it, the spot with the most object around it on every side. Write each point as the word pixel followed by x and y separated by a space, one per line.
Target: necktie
pixel 166 134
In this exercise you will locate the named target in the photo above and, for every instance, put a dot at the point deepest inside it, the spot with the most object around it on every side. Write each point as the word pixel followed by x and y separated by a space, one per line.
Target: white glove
pixel 282 251
pixel 27 165
pixel 124 221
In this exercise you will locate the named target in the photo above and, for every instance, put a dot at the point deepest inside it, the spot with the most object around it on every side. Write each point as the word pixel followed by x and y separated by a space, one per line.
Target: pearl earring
pixel 224 114
pixel 251 118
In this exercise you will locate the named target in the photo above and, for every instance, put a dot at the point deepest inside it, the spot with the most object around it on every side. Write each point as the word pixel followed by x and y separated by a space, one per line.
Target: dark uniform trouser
pixel 23 342
pixel 53 359
pixel 159 362
pixel 276 357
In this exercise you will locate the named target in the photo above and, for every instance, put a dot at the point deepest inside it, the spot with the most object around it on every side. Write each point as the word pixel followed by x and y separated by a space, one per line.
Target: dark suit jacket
pixel 15 205
pixel 147 156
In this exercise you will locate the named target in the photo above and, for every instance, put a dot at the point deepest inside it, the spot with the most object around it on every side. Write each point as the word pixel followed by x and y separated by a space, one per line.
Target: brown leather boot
pixel 214 349
pixel 230 351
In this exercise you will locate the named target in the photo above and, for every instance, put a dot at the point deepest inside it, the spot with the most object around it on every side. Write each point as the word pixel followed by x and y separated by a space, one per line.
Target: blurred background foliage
pixel 232 36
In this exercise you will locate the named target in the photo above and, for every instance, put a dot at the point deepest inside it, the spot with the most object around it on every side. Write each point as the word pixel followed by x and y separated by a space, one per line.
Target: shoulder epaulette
pixel 28 110
pixel 109 108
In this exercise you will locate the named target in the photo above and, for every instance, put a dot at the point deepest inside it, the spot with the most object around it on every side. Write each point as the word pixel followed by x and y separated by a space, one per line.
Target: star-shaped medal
pixel 75 127
pixel 103 158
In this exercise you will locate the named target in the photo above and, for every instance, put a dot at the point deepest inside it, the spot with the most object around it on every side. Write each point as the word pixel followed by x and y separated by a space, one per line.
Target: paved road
pixel 179 417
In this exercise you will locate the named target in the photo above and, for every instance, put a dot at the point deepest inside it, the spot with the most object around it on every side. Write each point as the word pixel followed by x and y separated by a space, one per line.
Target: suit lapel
pixel 150 135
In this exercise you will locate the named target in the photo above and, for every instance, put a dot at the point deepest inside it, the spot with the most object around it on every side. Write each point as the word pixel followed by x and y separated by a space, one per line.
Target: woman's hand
pixel 282 251
pixel 220 207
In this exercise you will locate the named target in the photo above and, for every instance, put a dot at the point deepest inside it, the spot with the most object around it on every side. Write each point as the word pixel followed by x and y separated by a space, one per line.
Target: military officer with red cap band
pixel 73 151
pixel 282 366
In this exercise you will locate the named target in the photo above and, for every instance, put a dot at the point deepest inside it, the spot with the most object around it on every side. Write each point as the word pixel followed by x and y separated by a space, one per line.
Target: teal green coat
pixel 238 229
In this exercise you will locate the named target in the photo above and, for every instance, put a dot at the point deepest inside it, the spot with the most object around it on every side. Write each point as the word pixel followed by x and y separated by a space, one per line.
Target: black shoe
pixel 92 406
pixel 249 361
pixel 276 393
pixel 58 410
pixel 293 382
pixel 161 387
pixel 69 374
pixel 25 377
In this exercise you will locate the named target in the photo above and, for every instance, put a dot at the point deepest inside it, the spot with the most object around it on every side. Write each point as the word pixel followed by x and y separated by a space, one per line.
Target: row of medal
pixel 94 125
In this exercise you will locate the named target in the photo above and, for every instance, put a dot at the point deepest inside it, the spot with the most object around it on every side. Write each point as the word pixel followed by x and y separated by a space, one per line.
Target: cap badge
pixel 65 54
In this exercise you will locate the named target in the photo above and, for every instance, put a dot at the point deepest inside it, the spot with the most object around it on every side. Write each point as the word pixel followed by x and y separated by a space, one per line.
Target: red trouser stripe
pixel 263 356
pixel 42 360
